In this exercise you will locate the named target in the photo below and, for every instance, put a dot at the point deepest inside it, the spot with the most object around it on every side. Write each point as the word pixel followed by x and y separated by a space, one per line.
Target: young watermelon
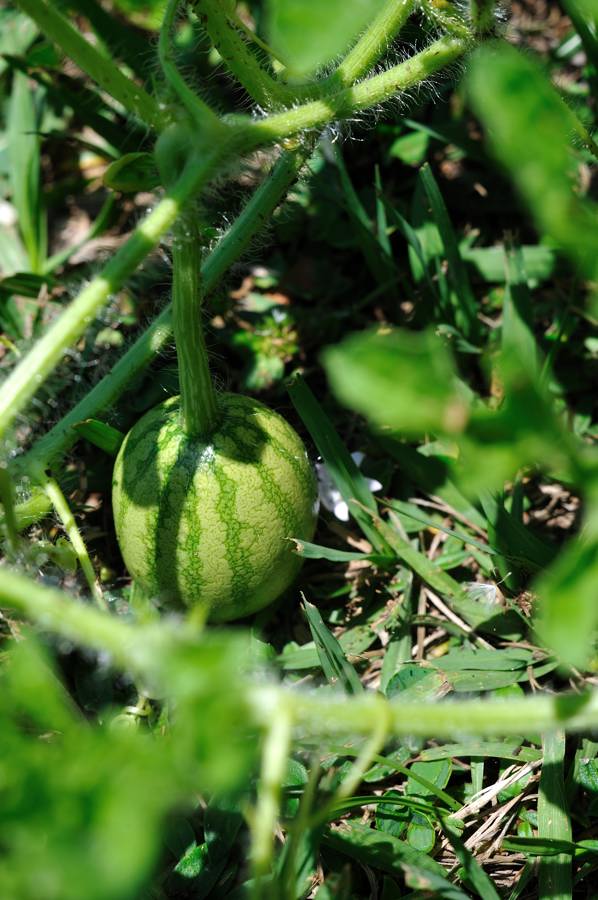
pixel 207 522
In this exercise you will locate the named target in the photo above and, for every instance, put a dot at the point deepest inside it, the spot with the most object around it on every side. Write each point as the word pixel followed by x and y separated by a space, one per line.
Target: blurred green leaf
pixel 26 284
pixel 528 127
pixel 17 31
pixel 567 613
pixel 410 148
pixel 132 172
pixel 77 817
pixel 539 262
pixel 525 430
pixel 25 172
pixel 401 380
pixel 343 470
pixel 307 34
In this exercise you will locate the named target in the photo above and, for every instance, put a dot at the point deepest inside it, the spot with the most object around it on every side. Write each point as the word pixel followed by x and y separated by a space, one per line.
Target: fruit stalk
pixel 33 369
pixel 198 403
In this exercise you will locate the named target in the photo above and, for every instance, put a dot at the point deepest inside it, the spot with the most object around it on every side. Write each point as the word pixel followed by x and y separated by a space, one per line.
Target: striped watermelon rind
pixel 208 522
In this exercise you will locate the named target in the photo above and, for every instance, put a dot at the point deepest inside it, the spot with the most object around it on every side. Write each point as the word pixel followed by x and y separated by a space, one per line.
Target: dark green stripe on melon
pixel 208 523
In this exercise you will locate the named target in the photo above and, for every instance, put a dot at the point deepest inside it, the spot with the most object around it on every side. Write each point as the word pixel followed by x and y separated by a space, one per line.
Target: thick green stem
pixel 106 392
pixel 198 402
pixel 200 112
pixel 365 95
pixel 246 136
pixel 103 71
pixel 360 59
pixel 373 42
pixel 316 713
pixel 34 368
pixel 238 56
pixel 266 90
pixel 277 746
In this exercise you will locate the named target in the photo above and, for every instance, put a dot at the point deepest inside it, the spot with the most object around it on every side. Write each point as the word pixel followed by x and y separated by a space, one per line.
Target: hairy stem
pixel 360 59
pixel 238 56
pixel 198 402
pixel 373 42
pixel 103 71
pixel 243 135
pixel 107 391
pixel 321 713
pixel 200 112
pixel 365 95
pixel 34 368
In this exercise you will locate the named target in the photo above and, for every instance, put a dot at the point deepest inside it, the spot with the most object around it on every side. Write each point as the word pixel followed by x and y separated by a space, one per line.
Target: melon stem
pixel 198 400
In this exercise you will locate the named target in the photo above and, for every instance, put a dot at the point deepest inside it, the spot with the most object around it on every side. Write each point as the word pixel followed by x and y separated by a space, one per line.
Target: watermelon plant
pixel 145 751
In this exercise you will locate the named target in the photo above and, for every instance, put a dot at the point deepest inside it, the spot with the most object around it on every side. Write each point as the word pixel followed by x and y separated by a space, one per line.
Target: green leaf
pixel 375 247
pixel 307 34
pixel 415 682
pixel 508 92
pixel 353 642
pixel 132 172
pixel 25 177
pixel 17 31
pixel 539 262
pixel 314 551
pixel 392 818
pixel 339 462
pixel 101 435
pixel 410 148
pixel 26 284
pixel 497 749
pixel 399 379
pixel 384 852
pixel 336 667
pixel 524 431
pixel 555 875
pixel 567 607
pixel 437 773
pixel 421 834
pixel 465 302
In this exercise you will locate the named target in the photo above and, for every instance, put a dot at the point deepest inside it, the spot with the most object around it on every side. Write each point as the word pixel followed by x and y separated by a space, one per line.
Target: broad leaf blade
pixel 307 34
pixel 398 379
pixel 509 91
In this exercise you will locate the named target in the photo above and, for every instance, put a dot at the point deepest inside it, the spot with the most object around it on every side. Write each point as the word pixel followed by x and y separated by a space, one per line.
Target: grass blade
pixel 555 875
pixel 336 667
pixel 466 311
pixel 343 470
pixel 24 153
